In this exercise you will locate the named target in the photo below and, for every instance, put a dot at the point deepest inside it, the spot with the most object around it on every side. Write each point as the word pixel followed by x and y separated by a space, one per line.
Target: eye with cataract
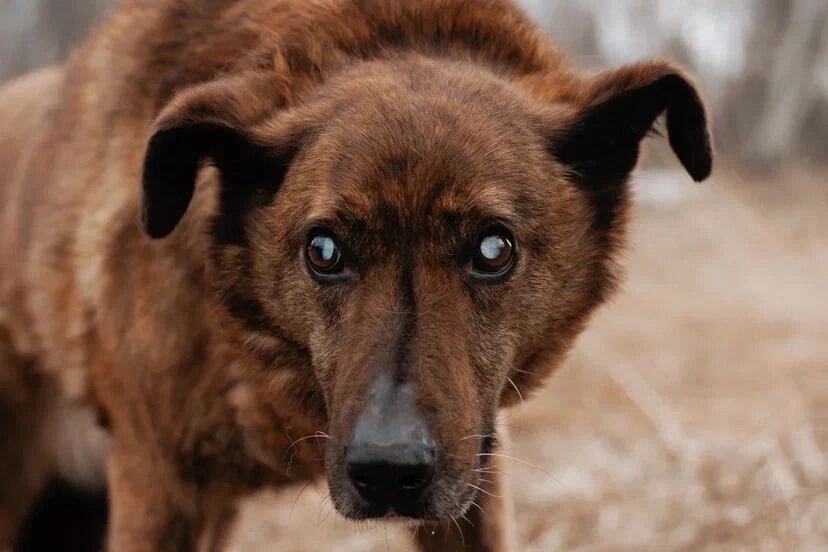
pixel 494 252
pixel 323 254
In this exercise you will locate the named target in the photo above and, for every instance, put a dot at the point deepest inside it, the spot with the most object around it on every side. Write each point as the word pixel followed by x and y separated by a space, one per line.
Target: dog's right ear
pixel 211 123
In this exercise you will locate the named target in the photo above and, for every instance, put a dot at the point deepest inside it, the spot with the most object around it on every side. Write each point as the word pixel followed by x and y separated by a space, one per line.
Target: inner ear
pixel 601 145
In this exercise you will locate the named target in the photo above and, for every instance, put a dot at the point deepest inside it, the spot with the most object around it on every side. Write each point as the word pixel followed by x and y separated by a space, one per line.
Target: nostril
pixel 361 476
pixel 389 481
pixel 361 482
pixel 414 476
pixel 415 482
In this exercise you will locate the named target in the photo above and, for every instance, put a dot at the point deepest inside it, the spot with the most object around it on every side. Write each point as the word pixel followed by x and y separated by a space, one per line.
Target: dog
pixel 253 242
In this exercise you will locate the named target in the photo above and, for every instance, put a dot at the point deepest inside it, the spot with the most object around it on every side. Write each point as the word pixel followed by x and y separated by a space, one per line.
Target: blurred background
pixel 693 414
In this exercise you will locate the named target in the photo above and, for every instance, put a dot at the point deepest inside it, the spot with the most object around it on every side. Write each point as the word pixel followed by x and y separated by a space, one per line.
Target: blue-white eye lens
pixel 495 252
pixel 325 247
pixel 323 253
pixel 492 247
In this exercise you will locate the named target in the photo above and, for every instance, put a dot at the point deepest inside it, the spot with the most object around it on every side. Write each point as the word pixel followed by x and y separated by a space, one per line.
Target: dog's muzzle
pixel 390 457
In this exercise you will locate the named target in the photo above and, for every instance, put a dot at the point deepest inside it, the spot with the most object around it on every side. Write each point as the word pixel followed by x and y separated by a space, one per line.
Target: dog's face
pixel 429 235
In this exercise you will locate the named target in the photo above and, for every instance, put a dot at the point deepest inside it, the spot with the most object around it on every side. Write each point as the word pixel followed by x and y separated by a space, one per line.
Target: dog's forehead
pixel 409 153
pixel 416 166
pixel 410 189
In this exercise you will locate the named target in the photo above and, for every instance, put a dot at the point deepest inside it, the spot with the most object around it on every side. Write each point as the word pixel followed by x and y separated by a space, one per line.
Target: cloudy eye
pixel 494 254
pixel 323 253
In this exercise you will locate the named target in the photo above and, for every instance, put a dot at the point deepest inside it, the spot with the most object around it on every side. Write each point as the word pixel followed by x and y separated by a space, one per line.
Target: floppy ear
pixel 601 144
pixel 210 123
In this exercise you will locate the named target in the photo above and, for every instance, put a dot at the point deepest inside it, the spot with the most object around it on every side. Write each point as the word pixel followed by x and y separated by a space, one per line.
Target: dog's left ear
pixel 601 142
pixel 213 122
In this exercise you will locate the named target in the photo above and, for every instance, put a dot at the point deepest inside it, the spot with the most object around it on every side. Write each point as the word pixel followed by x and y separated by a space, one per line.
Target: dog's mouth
pixel 453 502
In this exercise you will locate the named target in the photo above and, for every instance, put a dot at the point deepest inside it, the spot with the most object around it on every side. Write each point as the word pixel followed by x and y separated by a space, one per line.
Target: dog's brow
pixel 491 200
pixel 475 216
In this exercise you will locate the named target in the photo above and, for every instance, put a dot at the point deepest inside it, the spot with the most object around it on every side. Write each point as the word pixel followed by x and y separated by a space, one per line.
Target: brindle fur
pixel 406 126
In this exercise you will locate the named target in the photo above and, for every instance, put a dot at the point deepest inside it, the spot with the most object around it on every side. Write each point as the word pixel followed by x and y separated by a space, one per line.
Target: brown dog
pixel 409 213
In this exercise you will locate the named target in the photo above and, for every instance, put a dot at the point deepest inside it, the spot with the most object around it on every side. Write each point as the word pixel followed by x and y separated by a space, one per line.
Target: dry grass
pixel 692 415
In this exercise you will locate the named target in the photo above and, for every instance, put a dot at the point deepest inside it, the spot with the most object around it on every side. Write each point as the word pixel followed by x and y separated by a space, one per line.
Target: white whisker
pixel 478 436
pixel 484 491
pixel 317 435
pixel 522 462
pixel 459 530
pixel 520 395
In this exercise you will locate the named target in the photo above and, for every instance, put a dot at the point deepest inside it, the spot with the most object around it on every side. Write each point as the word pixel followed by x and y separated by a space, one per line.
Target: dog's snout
pixel 390 457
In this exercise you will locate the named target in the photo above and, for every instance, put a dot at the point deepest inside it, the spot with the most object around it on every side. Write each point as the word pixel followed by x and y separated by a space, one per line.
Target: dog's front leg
pixel 486 527
pixel 150 507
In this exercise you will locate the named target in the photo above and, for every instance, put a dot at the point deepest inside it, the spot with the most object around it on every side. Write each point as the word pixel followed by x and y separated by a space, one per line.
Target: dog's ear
pixel 211 123
pixel 619 107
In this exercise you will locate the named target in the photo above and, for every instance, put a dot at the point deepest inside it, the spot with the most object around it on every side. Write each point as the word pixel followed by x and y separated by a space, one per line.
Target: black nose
pixel 390 455
pixel 391 474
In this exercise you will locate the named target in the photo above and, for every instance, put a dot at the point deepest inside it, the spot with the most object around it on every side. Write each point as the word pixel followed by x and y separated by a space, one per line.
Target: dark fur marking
pixel 408 312
pixel 251 313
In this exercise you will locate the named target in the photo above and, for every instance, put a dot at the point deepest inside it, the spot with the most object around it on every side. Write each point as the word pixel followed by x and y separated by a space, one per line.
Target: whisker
pixel 308 484
pixel 311 461
pixel 387 546
pixel 527 372
pixel 501 473
pixel 479 507
pixel 325 500
pixel 328 513
pixel 484 491
pixel 459 530
pixel 543 471
pixel 317 435
pixel 478 436
pixel 520 395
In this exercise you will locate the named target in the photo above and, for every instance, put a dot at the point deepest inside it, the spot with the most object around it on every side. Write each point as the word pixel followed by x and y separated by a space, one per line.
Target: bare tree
pixel 792 88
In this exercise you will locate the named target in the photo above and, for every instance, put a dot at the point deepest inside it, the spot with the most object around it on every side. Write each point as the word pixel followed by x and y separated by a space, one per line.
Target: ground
pixel 692 415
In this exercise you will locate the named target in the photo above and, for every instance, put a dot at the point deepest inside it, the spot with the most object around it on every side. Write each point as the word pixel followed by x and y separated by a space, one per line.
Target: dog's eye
pixel 494 254
pixel 323 254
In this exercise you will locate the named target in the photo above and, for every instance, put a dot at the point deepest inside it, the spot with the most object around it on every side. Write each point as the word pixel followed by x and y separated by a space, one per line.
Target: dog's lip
pixel 393 516
pixel 415 515
pixel 397 519
pixel 412 518
pixel 385 512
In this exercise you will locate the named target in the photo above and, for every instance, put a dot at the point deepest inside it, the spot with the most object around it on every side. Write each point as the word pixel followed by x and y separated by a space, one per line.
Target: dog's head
pixel 429 234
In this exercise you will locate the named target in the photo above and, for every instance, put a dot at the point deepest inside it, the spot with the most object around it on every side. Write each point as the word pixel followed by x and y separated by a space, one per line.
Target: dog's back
pixel 26 105
pixel 72 142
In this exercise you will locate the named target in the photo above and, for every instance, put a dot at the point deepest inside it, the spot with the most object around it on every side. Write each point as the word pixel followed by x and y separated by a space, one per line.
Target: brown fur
pixel 405 126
